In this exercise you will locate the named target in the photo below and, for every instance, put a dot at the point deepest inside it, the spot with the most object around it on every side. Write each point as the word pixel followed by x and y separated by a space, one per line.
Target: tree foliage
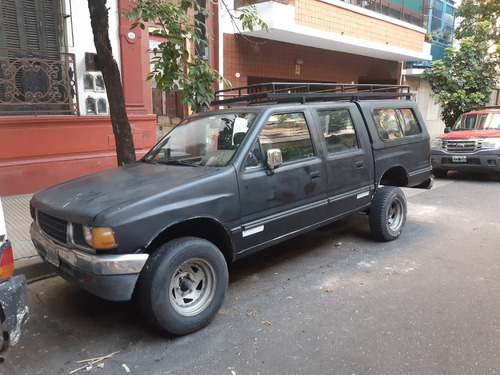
pixel 472 12
pixel 467 75
pixel 174 66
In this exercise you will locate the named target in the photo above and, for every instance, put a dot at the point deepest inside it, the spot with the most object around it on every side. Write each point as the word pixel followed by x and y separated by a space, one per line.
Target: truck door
pixel 349 160
pixel 289 199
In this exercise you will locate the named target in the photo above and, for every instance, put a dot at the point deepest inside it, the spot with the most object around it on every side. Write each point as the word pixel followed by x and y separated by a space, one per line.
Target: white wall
pixel 80 40
pixel 431 112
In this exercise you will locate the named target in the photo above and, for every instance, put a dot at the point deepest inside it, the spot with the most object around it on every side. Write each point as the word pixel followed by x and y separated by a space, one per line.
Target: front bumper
pixel 474 161
pixel 111 277
pixel 13 308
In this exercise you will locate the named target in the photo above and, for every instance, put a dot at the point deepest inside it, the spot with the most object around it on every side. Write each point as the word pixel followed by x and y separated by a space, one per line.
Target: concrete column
pixel 134 45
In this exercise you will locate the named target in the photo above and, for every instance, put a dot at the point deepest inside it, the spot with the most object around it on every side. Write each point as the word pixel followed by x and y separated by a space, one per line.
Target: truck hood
pixel 471 134
pixel 85 197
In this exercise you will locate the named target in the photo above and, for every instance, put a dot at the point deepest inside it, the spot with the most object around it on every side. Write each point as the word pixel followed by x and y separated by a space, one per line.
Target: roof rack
pixel 484 108
pixel 281 92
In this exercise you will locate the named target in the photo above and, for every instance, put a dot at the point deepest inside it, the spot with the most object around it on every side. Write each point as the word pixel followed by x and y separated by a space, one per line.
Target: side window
pixel 470 122
pixel 289 133
pixel 482 121
pixel 338 130
pixel 409 121
pixel 395 123
pixel 255 158
pixel 386 120
pixel 466 122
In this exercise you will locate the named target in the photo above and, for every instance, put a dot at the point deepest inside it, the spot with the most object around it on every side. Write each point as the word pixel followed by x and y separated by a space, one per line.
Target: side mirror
pixel 274 158
pixel 447 129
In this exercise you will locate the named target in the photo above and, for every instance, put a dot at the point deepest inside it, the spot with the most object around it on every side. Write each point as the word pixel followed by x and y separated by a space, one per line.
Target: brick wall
pixel 330 18
pixel 277 60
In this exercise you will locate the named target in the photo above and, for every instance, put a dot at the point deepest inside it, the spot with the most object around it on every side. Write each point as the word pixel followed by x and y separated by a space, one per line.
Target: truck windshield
pixel 478 121
pixel 210 140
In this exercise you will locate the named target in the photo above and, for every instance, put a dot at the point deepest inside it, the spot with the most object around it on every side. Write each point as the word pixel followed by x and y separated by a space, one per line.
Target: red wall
pixel 37 152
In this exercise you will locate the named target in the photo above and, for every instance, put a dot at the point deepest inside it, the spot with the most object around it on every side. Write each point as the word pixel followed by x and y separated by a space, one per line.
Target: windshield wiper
pixel 179 162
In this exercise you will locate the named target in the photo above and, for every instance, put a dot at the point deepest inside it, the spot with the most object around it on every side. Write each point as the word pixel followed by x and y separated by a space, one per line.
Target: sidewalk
pixel 18 220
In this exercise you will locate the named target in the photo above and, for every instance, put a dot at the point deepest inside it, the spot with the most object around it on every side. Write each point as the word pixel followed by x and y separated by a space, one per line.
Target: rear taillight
pixel 6 261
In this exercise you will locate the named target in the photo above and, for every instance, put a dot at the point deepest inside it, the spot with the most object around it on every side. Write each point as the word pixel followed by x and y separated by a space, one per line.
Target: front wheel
pixel 388 213
pixel 183 285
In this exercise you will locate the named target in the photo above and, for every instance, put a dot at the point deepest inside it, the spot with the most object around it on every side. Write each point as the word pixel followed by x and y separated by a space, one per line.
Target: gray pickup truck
pixel 280 160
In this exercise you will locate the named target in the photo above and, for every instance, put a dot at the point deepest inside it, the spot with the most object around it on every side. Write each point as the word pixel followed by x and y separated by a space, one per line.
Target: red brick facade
pixel 269 60
pixel 326 17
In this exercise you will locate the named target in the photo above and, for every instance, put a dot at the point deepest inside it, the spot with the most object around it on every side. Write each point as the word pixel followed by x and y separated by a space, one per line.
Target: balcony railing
pixel 37 83
pixel 386 7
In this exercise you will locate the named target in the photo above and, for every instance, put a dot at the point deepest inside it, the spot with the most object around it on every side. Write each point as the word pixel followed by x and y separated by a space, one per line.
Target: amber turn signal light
pixel 103 238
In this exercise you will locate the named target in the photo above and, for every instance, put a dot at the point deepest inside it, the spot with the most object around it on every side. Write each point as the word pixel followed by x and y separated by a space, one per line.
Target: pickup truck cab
pixel 226 183
pixel 472 144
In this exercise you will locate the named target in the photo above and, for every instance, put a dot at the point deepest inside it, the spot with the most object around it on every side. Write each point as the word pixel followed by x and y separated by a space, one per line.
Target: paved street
pixel 330 302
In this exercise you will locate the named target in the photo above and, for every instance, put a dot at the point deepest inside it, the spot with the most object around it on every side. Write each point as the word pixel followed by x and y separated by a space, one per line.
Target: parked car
pixel 13 293
pixel 472 144
pixel 226 183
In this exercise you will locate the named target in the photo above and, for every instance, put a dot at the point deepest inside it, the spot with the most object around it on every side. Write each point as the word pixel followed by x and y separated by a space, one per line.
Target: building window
pixel 102 106
pixel 88 82
pixel 35 76
pixel 99 83
pixel 90 106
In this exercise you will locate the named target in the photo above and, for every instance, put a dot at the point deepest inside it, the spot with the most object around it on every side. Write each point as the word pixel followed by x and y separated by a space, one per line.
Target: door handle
pixel 315 176
pixel 360 165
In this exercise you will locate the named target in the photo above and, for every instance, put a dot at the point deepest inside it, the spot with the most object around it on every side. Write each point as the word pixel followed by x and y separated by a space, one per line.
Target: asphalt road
pixel 330 302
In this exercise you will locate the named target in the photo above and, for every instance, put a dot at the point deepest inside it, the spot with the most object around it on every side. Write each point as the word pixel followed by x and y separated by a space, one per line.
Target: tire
pixel 388 213
pixel 182 285
pixel 439 173
pixel 4 336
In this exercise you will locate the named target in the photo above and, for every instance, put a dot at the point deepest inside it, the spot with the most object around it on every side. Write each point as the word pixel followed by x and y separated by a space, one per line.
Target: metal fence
pixel 37 83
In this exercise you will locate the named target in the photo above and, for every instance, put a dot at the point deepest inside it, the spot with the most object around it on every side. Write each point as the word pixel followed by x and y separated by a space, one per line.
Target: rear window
pixel 393 123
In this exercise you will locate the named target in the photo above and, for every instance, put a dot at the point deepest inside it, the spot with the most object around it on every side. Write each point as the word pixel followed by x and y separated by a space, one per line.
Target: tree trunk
pixel 125 150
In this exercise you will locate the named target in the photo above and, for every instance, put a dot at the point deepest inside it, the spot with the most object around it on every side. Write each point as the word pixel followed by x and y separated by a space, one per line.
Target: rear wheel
pixel 388 213
pixel 183 285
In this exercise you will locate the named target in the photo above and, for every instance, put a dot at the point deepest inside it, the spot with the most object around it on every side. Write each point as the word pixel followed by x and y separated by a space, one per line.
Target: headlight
pixel 87 234
pixel 100 238
pixel 491 143
pixel 437 143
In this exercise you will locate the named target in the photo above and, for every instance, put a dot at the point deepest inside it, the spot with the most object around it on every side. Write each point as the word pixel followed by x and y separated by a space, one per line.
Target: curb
pixel 34 268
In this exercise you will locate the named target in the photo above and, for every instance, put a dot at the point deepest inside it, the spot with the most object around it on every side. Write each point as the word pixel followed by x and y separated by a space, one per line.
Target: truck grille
pixel 463 145
pixel 54 227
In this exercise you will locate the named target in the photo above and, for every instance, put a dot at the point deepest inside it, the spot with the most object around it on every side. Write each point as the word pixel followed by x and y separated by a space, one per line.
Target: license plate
pixel 51 254
pixel 459 159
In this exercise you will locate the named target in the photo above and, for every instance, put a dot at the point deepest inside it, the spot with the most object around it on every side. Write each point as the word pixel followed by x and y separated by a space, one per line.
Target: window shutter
pixel 9 30
pixel 30 24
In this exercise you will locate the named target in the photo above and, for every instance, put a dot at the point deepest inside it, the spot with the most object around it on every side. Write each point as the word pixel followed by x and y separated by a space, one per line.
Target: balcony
pixel 37 83
pixel 388 8
pixel 343 26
